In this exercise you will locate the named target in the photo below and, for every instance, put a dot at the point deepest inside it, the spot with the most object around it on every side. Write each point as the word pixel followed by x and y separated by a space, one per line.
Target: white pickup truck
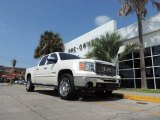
pixel 68 73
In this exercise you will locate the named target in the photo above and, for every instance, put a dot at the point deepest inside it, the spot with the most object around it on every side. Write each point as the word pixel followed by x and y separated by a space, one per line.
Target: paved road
pixel 17 104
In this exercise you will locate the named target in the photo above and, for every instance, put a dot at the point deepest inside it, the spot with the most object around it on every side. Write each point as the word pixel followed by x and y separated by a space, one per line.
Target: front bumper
pixel 96 83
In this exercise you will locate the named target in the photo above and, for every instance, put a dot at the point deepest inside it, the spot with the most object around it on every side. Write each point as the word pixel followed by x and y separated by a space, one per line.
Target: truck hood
pixel 89 60
pixel 98 61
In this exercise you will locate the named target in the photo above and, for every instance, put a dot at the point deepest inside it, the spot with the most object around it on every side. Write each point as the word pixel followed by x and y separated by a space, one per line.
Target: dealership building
pixel 129 66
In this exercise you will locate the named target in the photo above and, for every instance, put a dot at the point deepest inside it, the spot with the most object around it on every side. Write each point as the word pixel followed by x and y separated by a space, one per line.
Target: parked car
pixel 68 73
pixel 19 81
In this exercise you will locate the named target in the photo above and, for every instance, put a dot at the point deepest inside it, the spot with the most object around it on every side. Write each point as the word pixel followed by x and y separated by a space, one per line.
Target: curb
pixel 138 97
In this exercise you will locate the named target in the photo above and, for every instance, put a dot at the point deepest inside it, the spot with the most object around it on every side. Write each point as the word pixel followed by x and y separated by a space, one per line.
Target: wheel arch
pixel 61 72
pixel 28 75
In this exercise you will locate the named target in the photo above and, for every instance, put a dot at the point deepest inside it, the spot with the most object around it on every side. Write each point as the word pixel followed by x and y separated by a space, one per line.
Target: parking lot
pixel 17 104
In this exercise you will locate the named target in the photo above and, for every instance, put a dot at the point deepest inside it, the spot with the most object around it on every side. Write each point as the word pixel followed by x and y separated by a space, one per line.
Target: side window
pixel 43 61
pixel 52 62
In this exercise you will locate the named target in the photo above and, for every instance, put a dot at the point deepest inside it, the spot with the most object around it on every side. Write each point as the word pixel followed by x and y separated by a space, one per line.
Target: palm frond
pixel 129 48
pixel 157 4
pixel 133 6
pixel 14 61
pixel 106 47
pixel 49 42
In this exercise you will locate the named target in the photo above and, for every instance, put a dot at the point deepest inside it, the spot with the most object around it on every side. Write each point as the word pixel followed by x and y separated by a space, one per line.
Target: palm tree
pixel 14 62
pixel 49 42
pixel 138 7
pixel 129 48
pixel 106 47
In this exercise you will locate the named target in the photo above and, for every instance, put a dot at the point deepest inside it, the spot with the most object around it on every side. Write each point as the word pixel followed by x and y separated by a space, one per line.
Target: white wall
pixel 108 27
pixel 150 39
pixel 149 25
pixel 151 34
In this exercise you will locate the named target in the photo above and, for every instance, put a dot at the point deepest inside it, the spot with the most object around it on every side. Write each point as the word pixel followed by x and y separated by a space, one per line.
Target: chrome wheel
pixel 28 85
pixel 64 87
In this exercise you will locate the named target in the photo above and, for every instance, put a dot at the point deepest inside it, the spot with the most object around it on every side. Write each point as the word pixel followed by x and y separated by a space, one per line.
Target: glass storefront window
pixel 123 83
pixel 126 64
pixel 137 63
pixel 136 54
pixel 157 71
pixel 158 83
pixel 128 76
pixel 147 52
pixel 156 60
pixel 127 83
pixel 138 83
pixel 150 83
pixel 126 73
pixel 126 57
pixel 149 72
pixel 148 62
pixel 137 73
pixel 156 50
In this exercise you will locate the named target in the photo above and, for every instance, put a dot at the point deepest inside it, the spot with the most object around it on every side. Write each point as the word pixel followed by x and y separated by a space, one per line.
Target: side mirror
pixel 52 59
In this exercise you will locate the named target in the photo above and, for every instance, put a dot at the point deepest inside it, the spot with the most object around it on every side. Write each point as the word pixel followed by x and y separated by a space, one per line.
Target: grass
pixel 141 90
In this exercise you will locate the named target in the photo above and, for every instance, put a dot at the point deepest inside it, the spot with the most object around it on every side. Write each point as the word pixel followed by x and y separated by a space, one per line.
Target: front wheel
pixel 29 86
pixel 66 87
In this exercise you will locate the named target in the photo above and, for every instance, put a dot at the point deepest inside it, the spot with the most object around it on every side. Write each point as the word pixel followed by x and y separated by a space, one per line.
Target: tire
pixel 101 93
pixel 29 85
pixel 66 87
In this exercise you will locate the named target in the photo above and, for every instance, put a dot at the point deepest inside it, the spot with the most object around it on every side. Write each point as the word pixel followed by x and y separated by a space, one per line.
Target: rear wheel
pixel 66 87
pixel 29 86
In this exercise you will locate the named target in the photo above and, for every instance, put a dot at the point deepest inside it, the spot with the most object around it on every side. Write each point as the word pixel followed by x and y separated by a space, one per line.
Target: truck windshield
pixel 65 56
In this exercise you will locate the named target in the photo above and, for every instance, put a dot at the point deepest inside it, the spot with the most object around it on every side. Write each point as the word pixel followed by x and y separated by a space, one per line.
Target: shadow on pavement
pixel 48 92
pixel 94 98
pixel 84 97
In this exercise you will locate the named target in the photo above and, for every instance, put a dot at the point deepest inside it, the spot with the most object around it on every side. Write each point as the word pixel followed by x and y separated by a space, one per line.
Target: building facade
pixel 81 45
pixel 129 66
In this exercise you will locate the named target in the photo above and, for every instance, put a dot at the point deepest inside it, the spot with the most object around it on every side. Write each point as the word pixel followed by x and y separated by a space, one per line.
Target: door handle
pixel 45 68
pixel 37 69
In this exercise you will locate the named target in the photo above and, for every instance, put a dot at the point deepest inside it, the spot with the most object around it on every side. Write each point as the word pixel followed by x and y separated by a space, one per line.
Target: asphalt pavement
pixel 44 104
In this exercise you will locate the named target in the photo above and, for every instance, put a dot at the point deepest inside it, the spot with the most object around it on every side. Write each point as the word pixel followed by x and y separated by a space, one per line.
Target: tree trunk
pixel 142 62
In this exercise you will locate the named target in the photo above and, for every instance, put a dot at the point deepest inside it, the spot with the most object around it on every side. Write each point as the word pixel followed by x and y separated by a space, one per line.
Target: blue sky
pixel 22 22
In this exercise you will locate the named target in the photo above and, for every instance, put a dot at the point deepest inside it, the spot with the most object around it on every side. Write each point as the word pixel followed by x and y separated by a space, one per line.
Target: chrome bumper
pixel 97 83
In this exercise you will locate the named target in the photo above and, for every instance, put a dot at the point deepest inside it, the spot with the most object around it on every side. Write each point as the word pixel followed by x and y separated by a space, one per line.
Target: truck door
pixel 39 73
pixel 50 69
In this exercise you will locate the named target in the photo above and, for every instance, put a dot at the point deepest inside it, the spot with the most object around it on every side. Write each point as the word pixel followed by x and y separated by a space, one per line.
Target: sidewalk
pixel 4 84
pixel 139 96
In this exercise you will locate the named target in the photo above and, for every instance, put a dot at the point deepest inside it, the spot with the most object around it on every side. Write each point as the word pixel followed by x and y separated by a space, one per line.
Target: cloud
pixel 100 20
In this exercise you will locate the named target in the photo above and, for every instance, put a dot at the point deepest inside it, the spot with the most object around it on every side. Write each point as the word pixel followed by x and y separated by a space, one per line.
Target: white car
pixel 19 81
pixel 68 73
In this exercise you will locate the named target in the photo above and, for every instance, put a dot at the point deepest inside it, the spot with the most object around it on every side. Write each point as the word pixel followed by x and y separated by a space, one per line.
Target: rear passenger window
pixel 43 61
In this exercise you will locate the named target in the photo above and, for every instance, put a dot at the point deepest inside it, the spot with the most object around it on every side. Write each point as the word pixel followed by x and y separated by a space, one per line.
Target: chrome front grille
pixel 103 69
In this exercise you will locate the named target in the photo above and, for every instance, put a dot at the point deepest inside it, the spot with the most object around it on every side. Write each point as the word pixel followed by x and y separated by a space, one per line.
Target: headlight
pixel 118 77
pixel 87 66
